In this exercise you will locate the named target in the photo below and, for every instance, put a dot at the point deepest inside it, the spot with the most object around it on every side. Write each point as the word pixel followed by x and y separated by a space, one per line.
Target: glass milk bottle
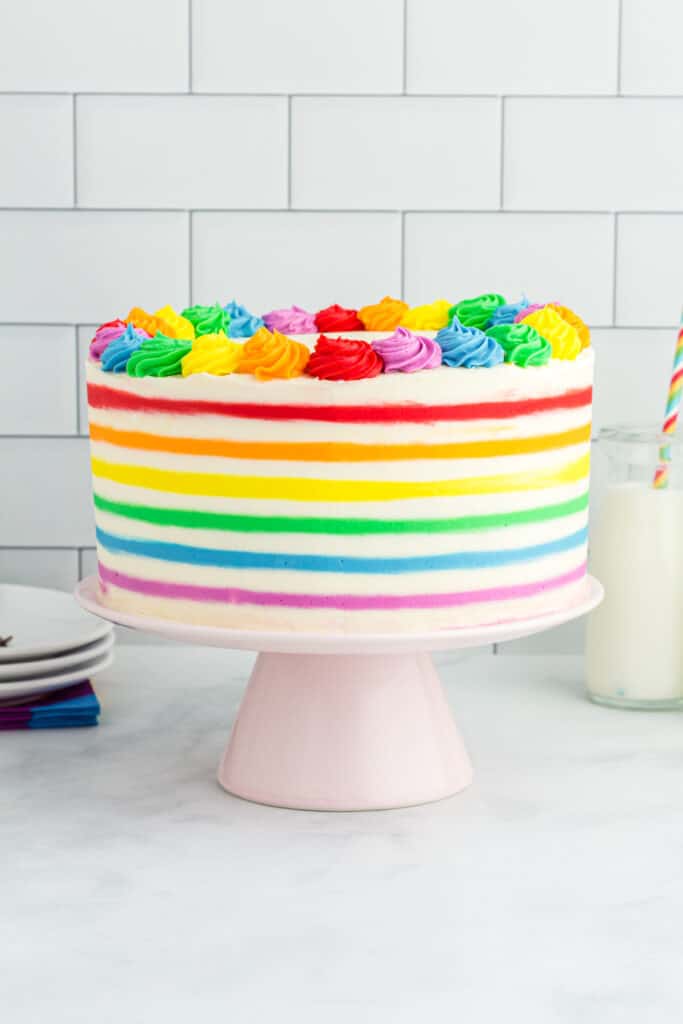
pixel 635 638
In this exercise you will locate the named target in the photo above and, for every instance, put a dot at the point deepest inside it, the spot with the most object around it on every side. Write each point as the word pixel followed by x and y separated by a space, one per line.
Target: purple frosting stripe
pixel 347 602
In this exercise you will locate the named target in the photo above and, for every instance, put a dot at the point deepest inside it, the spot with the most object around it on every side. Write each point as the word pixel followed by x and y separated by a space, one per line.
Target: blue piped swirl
pixel 468 346
pixel 506 314
pixel 243 324
pixel 117 353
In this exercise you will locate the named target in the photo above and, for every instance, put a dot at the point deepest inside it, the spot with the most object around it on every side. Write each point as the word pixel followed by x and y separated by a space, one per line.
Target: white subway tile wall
pixel 275 152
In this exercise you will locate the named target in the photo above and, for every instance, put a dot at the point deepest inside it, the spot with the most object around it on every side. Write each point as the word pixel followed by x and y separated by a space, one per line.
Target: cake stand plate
pixel 340 723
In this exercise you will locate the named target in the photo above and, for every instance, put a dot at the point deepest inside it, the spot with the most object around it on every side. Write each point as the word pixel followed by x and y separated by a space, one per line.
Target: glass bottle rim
pixel 639 434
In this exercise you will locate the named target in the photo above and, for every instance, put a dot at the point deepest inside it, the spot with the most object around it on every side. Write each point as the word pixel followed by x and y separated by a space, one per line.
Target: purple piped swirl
pixel 105 334
pixel 405 352
pixel 294 320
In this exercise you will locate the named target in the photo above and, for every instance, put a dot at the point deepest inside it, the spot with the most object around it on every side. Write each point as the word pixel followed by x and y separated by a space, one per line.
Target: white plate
pixel 44 623
pixel 55 680
pixel 16 670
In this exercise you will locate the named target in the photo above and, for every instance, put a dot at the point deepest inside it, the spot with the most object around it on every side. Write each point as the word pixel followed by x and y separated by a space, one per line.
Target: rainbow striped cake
pixel 378 469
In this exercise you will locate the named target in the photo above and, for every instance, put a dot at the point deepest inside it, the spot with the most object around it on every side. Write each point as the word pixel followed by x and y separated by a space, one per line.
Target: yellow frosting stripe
pixel 219 485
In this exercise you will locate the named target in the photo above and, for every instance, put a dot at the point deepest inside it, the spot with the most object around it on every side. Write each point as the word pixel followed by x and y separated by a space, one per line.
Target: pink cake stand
pixel 343 723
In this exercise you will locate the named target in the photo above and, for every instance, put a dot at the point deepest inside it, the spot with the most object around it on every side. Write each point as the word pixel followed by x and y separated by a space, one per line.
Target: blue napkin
pixel 74 706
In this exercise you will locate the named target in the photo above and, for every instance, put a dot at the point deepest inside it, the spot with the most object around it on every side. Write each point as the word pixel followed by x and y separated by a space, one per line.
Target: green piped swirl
pixel 158 357
pixel 207 319
pixel 476 312
pixel 522 344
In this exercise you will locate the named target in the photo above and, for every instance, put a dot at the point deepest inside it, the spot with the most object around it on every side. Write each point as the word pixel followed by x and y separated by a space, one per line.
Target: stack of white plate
pixel 47 642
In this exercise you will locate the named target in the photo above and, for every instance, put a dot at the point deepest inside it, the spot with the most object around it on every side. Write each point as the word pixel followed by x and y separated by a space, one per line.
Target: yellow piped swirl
pixel 212 353
pixel 564 339
pixel 431 317
pixel 270 356
pixel 575 320
pixel 176 325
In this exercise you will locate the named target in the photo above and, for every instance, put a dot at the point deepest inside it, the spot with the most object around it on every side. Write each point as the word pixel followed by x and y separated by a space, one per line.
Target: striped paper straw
pixel 673 406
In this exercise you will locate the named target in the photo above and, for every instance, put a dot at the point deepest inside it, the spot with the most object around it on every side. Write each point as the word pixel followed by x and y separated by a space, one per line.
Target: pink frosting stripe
pixel 346 602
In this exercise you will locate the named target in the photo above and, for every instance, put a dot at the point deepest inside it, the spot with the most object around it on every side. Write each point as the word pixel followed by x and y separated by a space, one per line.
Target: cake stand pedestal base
pixel 343 722
pixel 344 732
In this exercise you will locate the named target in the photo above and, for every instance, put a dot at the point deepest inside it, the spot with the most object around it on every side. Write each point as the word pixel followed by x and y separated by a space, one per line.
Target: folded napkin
pixel 75 705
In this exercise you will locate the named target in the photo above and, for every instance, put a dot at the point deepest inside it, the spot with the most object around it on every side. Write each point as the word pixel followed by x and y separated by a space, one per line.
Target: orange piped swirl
pixel 576 322
pixel 149 322
pixel 271 356
pixel 384 315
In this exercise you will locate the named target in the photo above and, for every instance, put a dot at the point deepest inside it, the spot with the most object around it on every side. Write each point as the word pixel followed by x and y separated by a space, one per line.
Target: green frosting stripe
pixel 304 524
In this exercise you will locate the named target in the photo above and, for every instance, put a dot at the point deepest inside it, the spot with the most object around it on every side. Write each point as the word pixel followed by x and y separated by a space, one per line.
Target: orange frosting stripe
pixel 271 356
pixel 333 451
pixel 576 322
pixel 384 315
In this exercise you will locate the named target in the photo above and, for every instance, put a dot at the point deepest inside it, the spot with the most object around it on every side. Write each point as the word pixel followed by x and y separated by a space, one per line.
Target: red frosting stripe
pixel 336 318
pixel 343 359
pixel 101 397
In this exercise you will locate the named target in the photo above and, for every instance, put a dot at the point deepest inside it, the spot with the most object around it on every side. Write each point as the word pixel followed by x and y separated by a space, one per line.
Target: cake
pixel 377 469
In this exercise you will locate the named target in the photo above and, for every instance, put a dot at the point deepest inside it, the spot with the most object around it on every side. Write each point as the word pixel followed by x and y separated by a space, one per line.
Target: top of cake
pixel 352 344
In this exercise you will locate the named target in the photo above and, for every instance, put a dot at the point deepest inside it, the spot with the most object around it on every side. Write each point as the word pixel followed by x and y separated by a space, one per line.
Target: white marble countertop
pixel 133 889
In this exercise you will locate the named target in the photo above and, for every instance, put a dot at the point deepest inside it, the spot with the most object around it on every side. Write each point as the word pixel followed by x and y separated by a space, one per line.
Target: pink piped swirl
pixel 527 310
pixel 294 320
pixel 105 333
pixel 405 352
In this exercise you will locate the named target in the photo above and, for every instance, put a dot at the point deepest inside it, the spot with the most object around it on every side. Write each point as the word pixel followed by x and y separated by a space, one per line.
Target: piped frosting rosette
pixel 343 359
pixel 384 315
pixel 405 352
pixel 271 356
pixel 430 317
pixel 214 354
pixel 117 353
pixel 521 343
pixel 474 333
pixel 468 346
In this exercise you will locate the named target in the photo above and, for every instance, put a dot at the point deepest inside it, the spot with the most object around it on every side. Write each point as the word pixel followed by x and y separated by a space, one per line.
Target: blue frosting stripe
pixel 167 552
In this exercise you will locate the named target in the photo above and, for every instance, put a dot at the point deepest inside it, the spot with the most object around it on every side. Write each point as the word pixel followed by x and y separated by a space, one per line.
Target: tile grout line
pixel 355 95
pixel 79 425
pixel 615 250
pixel 355 210
pixel 405 48
pixel 189 46
pixel 620 19
pixel 74 151
pixel 46 547
pixel 403 254
pixel 501 194
pixel 190 256
pixel 595 327
pixel 289 152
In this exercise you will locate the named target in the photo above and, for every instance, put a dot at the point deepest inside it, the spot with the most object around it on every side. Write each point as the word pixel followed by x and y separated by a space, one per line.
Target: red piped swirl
pixel 343 359
pixel 336 318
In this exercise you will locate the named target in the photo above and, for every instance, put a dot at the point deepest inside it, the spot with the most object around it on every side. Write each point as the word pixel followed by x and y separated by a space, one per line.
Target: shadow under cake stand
pixel 343 723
